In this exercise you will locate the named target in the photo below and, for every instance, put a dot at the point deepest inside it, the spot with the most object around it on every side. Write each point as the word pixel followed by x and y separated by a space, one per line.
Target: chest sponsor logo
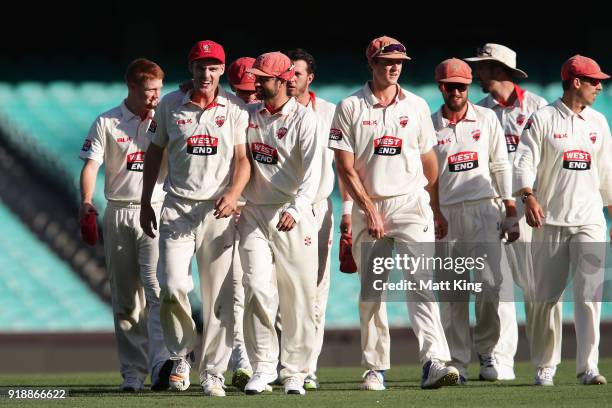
pixel 86 145
pixel 369 122
pixel 576 160
pixel 463 161
pixel 520 119
pixel 202 145
pixel 403 121
pixel 476 135
pixel 512 142
pixel 264 154
pixel 153 126
pixel 445 141
pixel 388 146
pixel 593 137
pixel 280 133
pixel 123 139
pixel 559 135
pixel 220 120
pixel 135 161
pixel 335 134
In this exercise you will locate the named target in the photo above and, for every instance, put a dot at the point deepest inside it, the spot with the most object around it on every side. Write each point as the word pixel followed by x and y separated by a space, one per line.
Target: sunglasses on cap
pixel 592 81
pixel 389 49
pixel 452 87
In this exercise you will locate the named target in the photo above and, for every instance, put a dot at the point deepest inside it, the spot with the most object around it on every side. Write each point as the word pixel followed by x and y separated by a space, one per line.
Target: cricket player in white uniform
pixel 496 68
pixel 278 234
pixel 243 85
pixel 379 132
pixel 474 173
pixel 299 88
pixel 563 172
pixel 118 140
pixel 204 134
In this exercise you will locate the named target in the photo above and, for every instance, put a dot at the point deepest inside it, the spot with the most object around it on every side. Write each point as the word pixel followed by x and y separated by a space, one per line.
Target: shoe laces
pixel 293 382
pixel 213 381
pixel 373 374
pixel 487 360
pixel 546 373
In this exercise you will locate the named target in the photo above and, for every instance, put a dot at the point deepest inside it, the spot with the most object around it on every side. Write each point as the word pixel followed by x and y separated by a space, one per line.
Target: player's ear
pixel 310 78
pixel 222 69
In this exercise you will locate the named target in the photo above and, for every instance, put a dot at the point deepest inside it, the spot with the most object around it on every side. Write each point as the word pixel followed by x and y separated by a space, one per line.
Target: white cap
pixel 499 53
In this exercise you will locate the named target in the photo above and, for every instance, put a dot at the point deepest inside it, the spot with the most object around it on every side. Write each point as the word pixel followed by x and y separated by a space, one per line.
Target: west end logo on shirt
pixel 387 146
pixel 220 120
pixel 403 121
pixel 520 119
pixel 263 153
pixel 476 135
pixel 512 142
pixel 86 145
pixel 462 161
pixel 593 137
pixel 576 160
pixel 280 133
pixel 135 161
pixel 335 134
pixel 202 145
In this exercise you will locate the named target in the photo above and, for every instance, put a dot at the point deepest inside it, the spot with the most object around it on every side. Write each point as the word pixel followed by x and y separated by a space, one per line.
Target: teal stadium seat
pixel 55 118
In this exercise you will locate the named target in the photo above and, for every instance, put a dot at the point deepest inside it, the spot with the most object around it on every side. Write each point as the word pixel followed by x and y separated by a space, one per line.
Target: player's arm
pixel 152 163
pixel 501 171
pixel 346 223
pixel 227 204
pixel 525 166
pixel 345 162
pixel 89 172
pixel 604 167
pixel 430 169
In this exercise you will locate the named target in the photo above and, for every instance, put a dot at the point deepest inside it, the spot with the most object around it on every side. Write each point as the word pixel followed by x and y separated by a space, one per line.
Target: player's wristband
pixel 347 207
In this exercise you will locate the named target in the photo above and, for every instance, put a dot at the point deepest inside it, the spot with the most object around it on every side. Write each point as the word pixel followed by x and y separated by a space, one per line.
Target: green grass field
pixel 339 388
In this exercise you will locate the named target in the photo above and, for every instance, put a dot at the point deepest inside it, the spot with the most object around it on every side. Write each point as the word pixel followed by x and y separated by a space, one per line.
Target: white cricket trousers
pixel 131 262
pixel 280 269
pixel 556 251
pixel 407 219
pixel 237 275
pixel 324 218
pixel 474 231
pixel 189 228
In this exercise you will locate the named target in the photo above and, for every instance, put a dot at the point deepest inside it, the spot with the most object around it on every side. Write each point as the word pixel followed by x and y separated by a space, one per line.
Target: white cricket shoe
pixel 259 383
pixel 544 376
pixel 373 381
pixel 179 376
pixel 436 374
pixel 311 383
pixel 213 386
pixel 131 384
pixel 488 367
pixel 294 386
pixel 591 377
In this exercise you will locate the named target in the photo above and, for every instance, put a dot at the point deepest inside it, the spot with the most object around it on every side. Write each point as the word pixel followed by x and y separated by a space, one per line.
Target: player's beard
pixel 455 105
pixel 264 94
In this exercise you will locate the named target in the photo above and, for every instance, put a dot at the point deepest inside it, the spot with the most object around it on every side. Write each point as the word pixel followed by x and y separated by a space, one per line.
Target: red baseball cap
pixel 273 65
pixel 581 66
pixel 207 49
pixel 453 70
pixel 386 47
pixel 238 76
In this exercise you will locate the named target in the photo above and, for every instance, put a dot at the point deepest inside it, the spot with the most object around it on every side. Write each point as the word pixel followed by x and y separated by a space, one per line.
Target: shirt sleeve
pixel 527 157
pixel 158 132
pixel 427 136
pixel 311 163
pixel 242 124
pixel 93 147
pixel 498 158
pixel 340 135
pixel 604 165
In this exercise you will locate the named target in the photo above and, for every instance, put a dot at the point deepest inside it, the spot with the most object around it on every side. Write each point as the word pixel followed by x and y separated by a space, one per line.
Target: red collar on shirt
pixel 520 96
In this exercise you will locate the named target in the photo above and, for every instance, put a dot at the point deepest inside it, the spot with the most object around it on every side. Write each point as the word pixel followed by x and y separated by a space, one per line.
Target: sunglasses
pixel 390 48
pixel 592 81
pixel 452 87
